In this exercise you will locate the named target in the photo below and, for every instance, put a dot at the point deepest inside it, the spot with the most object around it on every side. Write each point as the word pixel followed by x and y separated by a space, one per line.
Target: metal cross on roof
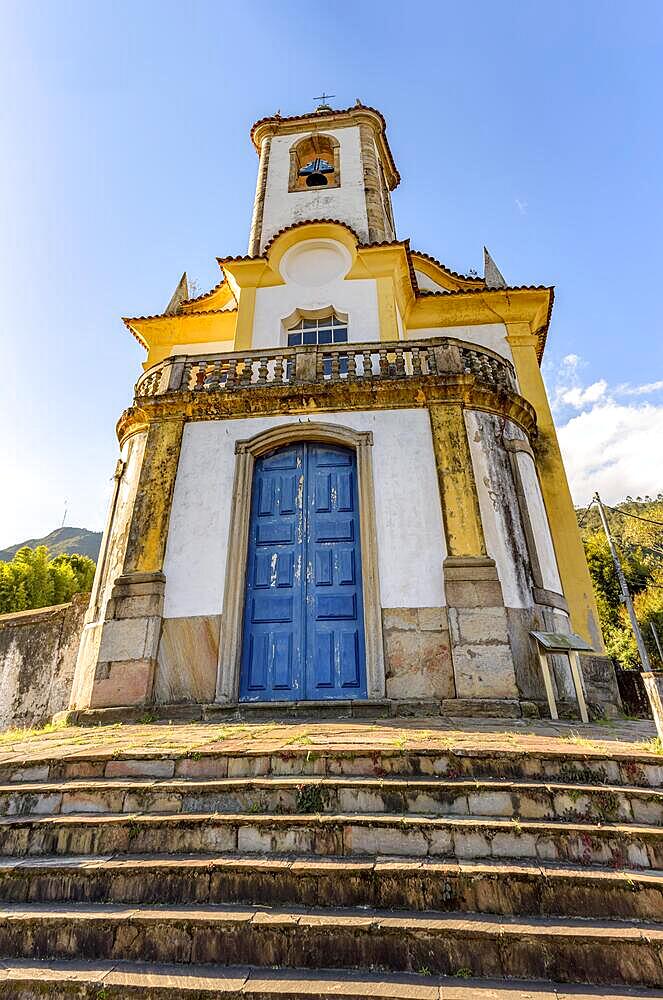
pixel 324 97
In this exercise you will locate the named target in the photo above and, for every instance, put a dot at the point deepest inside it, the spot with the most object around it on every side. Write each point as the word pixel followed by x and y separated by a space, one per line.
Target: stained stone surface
pixel 195 741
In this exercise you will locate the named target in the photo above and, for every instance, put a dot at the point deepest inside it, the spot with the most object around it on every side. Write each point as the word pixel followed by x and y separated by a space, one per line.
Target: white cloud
pixel 613 449
pixel 611 446
pixel 578 397
pixel 638 390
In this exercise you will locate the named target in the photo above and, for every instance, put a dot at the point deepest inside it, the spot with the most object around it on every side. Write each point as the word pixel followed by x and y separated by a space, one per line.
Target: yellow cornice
pixel 527 306
pixel 216 298
pixel 159 334
pixel 441 275
pixel 272 400
pixel 250 272
pixel 392 262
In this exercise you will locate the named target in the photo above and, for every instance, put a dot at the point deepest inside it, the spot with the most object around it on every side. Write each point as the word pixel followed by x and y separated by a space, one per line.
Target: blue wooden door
pixel 303 619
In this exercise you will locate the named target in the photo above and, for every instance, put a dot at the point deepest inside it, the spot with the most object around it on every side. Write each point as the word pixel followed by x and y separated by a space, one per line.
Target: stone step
pixel 614 845
pixel 562 950
pixel 422 796
pixel 31 980
pixel 568 766
pixel 388 883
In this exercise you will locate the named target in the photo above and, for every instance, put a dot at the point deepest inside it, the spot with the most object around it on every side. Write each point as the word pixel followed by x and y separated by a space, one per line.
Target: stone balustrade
pixel 360 363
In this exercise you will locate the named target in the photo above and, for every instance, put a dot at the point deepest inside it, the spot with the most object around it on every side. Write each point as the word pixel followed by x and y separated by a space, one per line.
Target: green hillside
pixel 61 542
pixel 637 528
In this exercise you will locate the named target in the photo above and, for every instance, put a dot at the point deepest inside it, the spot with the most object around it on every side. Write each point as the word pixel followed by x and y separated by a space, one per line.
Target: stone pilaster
pixel 129 640
pixel 259 203
pixel 377 230
pixel 478 627
pixel 569 552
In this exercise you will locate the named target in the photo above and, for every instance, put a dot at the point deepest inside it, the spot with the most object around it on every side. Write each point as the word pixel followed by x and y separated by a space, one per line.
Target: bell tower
pixel 324 165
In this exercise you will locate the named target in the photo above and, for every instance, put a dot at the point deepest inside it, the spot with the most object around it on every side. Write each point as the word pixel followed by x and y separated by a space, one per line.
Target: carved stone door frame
pixel 230 647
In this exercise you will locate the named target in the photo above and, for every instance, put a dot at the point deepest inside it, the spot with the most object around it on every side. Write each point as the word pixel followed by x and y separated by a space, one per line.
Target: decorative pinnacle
pixel 491 272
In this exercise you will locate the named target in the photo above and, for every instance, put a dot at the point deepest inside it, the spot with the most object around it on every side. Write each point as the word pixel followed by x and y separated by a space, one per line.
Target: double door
pixel 303 613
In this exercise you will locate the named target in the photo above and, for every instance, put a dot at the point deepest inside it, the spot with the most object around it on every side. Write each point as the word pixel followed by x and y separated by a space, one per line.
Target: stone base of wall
pixel 601 689
pixel 187 659
pixel 600 678
pixel 417 653
pixel 37 660
pixel 316 711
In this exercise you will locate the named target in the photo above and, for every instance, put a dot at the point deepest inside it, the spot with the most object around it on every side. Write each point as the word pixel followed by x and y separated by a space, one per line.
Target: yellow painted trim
pixel 458 491
pixel 146 545
pixel 311 231
pixel 387 262
pixel 387 309
pixel 571 561
pixel 245 316
pixel 529 305
pixel 441 276
pixel 161 334
pixel 218 298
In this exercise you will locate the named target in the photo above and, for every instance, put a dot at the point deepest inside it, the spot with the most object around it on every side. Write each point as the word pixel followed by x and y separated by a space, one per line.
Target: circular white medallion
pixel 315 262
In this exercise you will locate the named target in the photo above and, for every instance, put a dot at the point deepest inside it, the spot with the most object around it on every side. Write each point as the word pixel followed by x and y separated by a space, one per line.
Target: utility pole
pixel 642 649
pixel 656 640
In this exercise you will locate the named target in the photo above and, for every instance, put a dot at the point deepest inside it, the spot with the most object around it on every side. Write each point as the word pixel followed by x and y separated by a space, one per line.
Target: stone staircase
pixel 424 874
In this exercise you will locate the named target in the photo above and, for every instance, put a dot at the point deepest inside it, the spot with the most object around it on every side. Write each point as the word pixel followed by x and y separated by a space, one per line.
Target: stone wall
pixel 417 653
pixel 37 659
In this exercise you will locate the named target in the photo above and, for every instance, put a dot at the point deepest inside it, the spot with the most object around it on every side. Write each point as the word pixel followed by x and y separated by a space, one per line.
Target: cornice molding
pixel 272 400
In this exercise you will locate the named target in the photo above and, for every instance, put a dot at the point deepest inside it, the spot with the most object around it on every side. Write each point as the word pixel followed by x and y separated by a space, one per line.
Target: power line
pixel 584 516
pixel 641 548
pixel 623 586
pixel 625 513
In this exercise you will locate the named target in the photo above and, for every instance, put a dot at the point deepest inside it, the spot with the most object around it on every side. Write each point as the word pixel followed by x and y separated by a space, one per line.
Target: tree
pixel 639 540
pixel 32 580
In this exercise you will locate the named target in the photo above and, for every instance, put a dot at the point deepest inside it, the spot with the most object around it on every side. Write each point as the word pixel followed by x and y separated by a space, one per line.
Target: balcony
pixel 361 365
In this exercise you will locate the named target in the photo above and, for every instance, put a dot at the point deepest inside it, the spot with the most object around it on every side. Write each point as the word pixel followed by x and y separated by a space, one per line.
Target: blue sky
pixel 531 127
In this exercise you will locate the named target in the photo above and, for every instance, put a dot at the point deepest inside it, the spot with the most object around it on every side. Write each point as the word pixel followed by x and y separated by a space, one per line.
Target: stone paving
pixel 540 737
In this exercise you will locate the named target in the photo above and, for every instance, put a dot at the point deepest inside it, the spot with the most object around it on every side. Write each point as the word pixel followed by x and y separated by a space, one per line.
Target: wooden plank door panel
pixel 335 657
pixel 272 662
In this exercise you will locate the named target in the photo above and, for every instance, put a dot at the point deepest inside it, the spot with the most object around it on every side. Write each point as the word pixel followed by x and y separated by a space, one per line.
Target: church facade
pixel 339 480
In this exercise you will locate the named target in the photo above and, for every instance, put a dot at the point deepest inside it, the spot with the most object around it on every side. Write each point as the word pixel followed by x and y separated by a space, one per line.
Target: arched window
pixel 315 162
pixel 330 329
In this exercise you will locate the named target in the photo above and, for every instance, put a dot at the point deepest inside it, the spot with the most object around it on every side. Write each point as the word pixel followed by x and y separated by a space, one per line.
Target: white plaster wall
pixel 346 203
pixel 539 521
pixel 411 543
pixel 497 529
pixel 490 335
pixel 358 298
pixel 425 282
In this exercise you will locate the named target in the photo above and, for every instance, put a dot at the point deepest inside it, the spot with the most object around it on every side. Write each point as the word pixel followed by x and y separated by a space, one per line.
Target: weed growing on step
pixel 17 735
pixel 257 807
pixel 575 775
pixel 463 973
pixel 303 741
pixel 577 740
pixel 147 718
pixel 134 828
pixel 653 746
pixel 310 799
